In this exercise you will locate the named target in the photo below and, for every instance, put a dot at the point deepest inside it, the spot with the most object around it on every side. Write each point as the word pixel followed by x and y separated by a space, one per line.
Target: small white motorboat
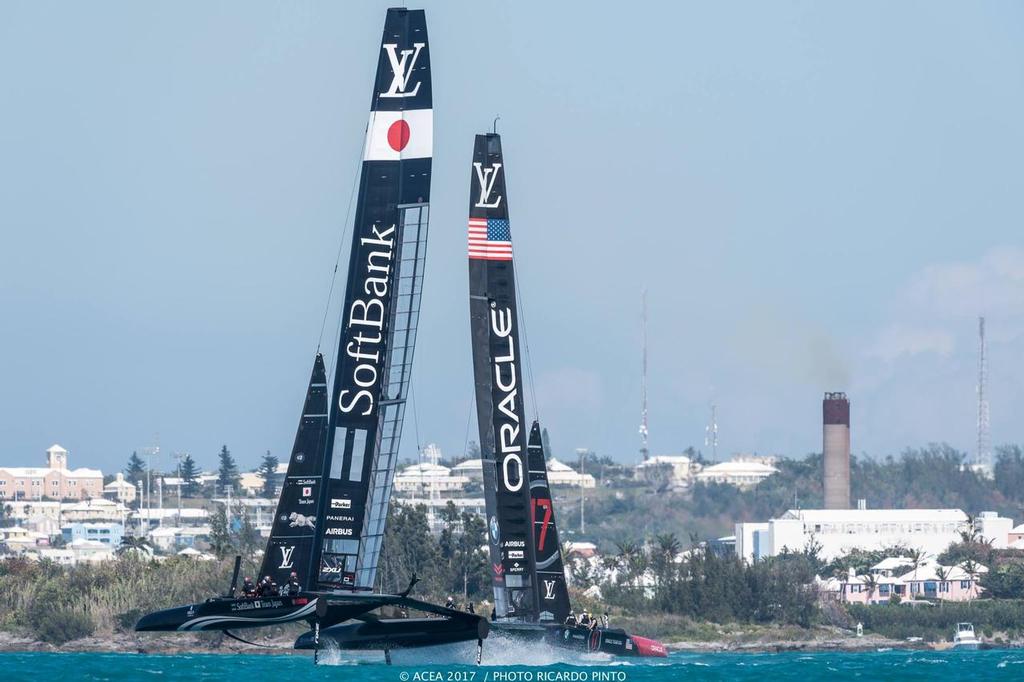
pixel 964 637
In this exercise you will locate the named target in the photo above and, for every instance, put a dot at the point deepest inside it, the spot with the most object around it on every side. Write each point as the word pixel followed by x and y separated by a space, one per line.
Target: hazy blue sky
pixel 818 196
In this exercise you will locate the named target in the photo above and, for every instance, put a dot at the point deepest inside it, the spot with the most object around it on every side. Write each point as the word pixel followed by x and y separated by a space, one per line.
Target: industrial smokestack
pixel 835 411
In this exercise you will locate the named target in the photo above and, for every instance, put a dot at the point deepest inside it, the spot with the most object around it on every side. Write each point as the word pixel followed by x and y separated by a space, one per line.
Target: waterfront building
pixel 429 476
pixel 52 482
pixel 837 531
pixel 994 529
pixel 897 577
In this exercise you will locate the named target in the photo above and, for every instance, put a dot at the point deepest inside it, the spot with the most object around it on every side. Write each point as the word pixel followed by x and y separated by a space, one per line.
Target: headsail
pixel 293 531
pixel 552 592
pixel 494 322
pixel 381 310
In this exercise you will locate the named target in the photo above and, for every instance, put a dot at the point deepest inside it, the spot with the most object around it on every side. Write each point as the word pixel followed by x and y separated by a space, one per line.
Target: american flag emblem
pixel 490 239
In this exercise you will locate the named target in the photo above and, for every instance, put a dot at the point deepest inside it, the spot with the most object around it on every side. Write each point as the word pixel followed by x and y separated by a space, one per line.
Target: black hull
pixel 404 633
pixel 230 614
pixel 398 633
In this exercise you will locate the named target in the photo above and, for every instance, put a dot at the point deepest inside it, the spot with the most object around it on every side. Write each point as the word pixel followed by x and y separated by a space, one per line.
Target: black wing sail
pixel 494 326
pixel 290 547
pixel 381 308
pixel 553 594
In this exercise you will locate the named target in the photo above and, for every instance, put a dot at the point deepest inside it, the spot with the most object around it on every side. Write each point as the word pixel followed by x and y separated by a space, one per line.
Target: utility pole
pixel 644 451
pixel 982 455
pixel 582 452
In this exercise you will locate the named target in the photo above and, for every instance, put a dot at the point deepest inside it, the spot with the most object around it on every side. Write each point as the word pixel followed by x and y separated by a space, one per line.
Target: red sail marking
pixel 546 504
pixel 649 647
pixel 498 569
pixel 398 135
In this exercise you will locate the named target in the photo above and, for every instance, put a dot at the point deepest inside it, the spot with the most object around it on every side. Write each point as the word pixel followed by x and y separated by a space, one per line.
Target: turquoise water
pixel 890 665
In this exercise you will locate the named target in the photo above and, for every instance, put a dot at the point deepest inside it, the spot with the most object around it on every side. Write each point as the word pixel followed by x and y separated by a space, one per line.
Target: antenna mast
pixel 711 434
pixel 643 379
pixel 983 455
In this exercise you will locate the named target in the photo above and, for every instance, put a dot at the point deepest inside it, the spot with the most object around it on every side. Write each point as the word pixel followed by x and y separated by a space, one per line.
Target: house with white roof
pixel 742 474
pixel 563 474
pixel 120 490
pixel 428 476
pixel 897 576
pixel 675 470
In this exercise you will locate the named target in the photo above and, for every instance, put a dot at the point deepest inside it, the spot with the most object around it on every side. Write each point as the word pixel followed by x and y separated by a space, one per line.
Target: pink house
pixel 896 576
pixel 52 482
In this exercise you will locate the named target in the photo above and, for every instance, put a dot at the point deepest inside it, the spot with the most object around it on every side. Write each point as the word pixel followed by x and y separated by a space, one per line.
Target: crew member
pixel 272 589
pixel 293 586
pixel 450 604
pixel 570 620
pixel 248 589
pixel 585 619
pixel 494 613
pixel 604 620
pixel 469 607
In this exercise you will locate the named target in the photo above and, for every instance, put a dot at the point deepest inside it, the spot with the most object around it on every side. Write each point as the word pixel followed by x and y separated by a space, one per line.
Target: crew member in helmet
pixel 570 620
pixel 584 620
pixel 293 586
pixel 450 603
pixel 248 588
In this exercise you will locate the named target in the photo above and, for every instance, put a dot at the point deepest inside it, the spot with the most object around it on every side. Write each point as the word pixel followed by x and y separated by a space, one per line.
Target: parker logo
pixel 486 178
pixel 402 65
pixel 341 504
pixel 515 554
pixel 286 557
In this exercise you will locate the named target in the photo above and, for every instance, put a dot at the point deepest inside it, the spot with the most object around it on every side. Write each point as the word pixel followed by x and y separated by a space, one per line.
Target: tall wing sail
pixel 293 531
pixel 494 322
pixel 381 310
pixel 553 594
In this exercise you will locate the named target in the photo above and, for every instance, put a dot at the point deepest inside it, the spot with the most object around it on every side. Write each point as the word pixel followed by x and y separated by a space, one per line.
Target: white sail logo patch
pixel 286 557
pixel 486 178
pixel 401 69
pixel 549 590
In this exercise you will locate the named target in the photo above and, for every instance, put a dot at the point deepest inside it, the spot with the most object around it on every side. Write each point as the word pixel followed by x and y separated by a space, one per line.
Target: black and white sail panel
pixel 293 531
pixel 494 324
pixel 552 592
pixel 381 308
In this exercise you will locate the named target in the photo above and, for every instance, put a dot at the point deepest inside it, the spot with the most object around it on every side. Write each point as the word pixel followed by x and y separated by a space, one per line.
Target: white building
pixel 98 509
pixel 742 473
pixel 120 490
pixel 563 474
pixel 427 477
pixel 994 528
pixel 434 506
pixel 840 530
pixel 472 469
pixel 677 469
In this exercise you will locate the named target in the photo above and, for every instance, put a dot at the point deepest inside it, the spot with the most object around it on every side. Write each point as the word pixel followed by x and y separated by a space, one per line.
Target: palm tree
pixel 972 569
pixel 132 544
pixel 942 573
pixel 871 583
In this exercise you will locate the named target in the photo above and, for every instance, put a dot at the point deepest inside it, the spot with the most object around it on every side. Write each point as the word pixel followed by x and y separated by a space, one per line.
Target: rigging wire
pixel 469 418
pixel 526 341
pixel 415 419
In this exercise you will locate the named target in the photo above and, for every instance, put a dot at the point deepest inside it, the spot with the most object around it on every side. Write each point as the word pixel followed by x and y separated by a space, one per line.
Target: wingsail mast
pixel 553 603
pixel 496 367
pixel 381 308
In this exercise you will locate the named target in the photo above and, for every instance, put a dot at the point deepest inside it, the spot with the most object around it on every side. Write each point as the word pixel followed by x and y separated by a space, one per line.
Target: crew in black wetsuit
pixel 248 588
pixel 469 607
pixel 293 587
pixel 604 620
pixel 570 620
pixel 584 621
pixel 450 604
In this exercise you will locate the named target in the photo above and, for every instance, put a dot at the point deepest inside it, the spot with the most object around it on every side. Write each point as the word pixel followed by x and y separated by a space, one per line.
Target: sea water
pixel 1007 664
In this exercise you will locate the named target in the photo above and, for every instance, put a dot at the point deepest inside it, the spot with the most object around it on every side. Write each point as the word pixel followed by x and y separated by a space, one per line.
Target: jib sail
pixel 552 593
pixel 293 531
pixel 381 308
pixel 494 326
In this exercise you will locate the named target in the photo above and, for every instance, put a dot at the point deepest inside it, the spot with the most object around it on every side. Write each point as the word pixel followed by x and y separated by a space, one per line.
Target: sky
pixel 816 196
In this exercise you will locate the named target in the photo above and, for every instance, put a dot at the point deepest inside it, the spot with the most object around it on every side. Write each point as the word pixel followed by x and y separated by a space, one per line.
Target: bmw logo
pixel 494 529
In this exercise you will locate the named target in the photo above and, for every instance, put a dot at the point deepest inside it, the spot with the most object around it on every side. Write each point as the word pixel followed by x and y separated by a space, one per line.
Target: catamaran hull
pixel 398 633
pixel 430 632
pixel 229 614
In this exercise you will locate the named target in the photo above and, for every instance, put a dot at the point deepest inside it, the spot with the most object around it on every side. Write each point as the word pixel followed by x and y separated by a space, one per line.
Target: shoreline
pixel 196 644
